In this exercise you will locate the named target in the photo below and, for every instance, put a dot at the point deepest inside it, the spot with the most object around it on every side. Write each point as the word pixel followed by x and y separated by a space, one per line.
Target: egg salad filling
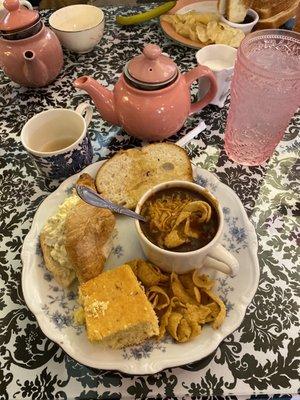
pixel 55 231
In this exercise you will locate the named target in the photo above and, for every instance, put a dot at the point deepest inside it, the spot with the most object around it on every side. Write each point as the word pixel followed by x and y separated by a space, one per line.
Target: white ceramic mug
pixel 59 125
pixel 213 255
pixel 220 58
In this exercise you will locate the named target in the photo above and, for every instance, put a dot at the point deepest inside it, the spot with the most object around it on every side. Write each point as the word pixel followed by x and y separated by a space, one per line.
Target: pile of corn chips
pixel 204 28
pixel 183 303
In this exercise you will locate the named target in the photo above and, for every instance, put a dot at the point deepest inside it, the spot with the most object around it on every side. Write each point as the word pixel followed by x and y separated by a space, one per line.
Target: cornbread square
pixel 117 311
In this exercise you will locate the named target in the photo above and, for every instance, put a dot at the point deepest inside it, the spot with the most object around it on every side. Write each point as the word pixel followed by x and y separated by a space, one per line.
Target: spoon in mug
pixel 91 197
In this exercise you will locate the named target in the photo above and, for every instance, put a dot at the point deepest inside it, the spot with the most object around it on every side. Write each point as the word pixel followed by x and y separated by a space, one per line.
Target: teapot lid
pixel 152 67
pixel 17 17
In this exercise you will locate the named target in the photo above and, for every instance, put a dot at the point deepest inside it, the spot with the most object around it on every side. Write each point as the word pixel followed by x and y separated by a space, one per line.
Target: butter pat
pixel 97 308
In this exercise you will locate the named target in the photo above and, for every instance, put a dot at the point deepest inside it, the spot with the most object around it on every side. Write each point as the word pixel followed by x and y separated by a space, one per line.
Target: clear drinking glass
pixel 265 93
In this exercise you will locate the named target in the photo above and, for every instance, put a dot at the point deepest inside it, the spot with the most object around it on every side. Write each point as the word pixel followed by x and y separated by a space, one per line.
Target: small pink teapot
pixel 151 99
pixel 30 53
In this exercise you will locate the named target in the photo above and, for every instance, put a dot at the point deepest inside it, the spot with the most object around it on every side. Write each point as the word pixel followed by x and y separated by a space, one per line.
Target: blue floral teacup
pixel 57 140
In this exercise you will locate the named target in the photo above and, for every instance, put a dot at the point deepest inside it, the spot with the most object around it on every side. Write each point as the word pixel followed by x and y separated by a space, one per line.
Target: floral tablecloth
pixel 262 356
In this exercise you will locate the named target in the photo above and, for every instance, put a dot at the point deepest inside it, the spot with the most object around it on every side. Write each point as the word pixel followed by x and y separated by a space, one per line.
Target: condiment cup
pixel 59 125
pixel 79 27
pixel 220 58
pixel 246 28
pixel 213 255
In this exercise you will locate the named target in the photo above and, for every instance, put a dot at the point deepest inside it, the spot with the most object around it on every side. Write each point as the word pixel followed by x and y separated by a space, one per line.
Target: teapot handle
pixel 195 74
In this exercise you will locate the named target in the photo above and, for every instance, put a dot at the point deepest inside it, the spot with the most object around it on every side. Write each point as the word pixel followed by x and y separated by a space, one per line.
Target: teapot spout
pixel 102 97
pixel 35 70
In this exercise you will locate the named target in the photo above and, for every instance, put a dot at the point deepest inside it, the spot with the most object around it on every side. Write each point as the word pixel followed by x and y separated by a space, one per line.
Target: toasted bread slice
pixel 267 9
pixel 129 174
pixel 279 19
pixel 63 276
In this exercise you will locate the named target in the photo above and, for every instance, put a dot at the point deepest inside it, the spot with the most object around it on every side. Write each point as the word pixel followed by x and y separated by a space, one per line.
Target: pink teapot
pixel 151 99
pixel 30 53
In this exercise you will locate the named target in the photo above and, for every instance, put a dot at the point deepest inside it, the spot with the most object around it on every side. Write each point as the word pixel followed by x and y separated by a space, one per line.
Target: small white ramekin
pixel 246 28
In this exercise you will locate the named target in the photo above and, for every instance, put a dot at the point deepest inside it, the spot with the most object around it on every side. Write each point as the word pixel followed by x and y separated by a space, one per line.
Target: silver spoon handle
pixel 91 197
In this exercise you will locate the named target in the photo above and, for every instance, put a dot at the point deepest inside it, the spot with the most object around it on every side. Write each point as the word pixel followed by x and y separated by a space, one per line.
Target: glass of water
pixel 265 93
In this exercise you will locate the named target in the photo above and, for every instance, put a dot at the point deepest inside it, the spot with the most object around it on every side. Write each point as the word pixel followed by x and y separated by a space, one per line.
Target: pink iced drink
pixel 265 93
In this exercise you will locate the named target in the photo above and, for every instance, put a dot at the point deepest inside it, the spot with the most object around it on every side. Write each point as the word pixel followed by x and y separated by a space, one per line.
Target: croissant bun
pixel 88 233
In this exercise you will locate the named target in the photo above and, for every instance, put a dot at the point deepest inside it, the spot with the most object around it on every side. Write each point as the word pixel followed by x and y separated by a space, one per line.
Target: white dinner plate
pixel 53 306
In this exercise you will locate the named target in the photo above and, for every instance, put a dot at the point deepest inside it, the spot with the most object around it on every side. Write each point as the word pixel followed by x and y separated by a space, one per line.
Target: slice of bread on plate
pixel 125 177
pixel 267 9
pixel 278 19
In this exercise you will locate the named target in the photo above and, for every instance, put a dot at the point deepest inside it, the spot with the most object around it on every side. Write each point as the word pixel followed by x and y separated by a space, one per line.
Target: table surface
pixel 261 356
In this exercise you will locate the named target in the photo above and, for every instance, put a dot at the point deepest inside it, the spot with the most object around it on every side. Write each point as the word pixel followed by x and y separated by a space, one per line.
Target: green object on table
pixel 145 16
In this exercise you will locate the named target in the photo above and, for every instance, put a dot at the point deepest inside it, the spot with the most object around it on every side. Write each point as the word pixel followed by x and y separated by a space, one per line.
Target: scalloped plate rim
pixel 125 366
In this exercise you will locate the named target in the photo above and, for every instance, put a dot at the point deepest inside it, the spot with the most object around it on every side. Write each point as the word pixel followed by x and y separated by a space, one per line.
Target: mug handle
pixel 219 258
pixel 27 4
pixel 87 109
pixel 193 75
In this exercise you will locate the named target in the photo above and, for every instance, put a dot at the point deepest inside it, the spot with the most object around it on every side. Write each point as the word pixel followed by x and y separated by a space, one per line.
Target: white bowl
pixel 79 27
pixel 212 255
pixel 246 28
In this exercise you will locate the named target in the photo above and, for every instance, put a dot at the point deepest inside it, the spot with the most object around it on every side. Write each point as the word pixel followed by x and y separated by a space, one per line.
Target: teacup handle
pixel 27 4
pixel 85 110
pixel 219 258
pixel 193 75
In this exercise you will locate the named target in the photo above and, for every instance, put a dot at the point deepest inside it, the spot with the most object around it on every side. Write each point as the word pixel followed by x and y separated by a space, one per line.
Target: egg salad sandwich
pixel 77 239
